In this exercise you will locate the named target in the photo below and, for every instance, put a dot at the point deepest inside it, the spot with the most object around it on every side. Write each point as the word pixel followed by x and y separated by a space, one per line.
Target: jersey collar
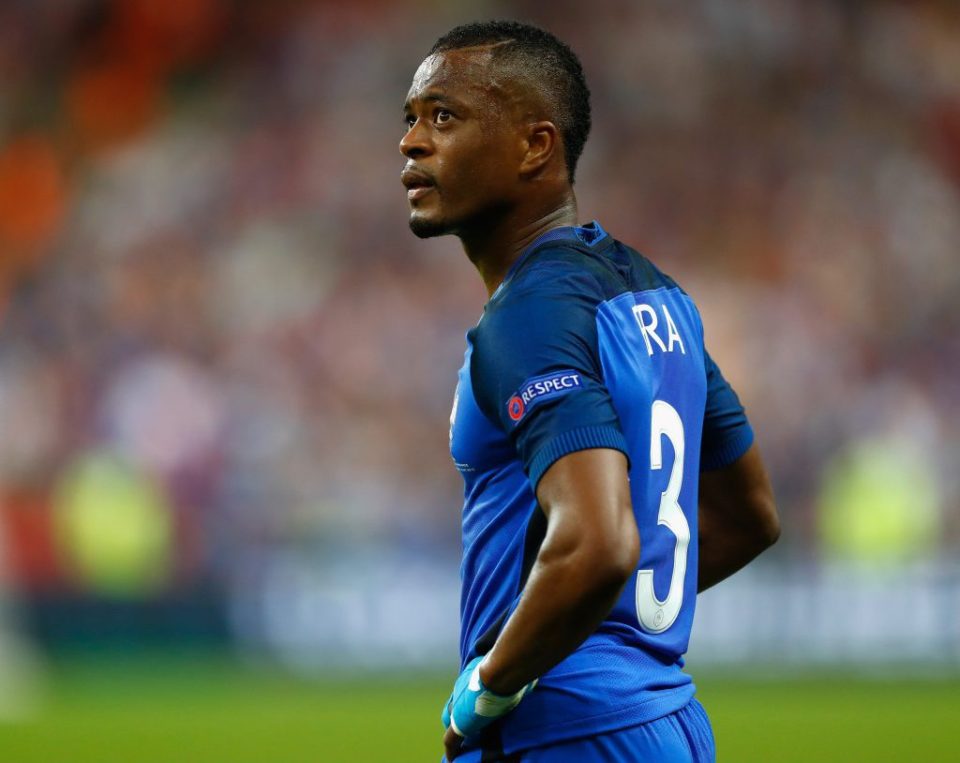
pixel 590 235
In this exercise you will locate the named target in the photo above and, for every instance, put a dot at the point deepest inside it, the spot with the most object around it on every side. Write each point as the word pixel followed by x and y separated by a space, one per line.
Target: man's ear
pixel 542 142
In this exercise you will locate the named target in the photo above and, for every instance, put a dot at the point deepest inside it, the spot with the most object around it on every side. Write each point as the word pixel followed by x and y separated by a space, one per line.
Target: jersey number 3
pixel 655 615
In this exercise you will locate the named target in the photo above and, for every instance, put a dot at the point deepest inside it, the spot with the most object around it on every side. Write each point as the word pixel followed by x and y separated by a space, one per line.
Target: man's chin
pixel 424 227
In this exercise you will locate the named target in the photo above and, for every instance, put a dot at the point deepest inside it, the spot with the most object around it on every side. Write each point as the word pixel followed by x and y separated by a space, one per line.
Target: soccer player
pixel 610 472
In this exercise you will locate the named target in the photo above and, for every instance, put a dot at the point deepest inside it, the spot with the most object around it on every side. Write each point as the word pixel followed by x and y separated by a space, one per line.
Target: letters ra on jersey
pixel 646 317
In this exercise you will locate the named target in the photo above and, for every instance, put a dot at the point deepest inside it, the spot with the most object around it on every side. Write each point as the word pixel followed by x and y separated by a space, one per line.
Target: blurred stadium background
pixel 228 520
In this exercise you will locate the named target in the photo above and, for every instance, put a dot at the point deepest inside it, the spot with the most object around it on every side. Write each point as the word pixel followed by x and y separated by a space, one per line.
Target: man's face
pixel 462 143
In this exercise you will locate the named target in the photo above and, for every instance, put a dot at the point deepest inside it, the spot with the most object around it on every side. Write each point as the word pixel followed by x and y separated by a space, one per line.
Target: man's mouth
pixel 417 183
pixel 417 191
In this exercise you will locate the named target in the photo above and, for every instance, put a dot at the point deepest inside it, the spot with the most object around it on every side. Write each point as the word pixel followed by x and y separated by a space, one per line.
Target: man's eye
pixel 443 116
pixel 409 120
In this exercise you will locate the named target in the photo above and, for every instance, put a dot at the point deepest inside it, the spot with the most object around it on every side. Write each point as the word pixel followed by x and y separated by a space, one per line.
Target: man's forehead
pixel 452 72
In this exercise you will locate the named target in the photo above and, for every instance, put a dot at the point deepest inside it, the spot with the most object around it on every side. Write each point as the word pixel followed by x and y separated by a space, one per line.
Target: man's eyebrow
pixel 432 98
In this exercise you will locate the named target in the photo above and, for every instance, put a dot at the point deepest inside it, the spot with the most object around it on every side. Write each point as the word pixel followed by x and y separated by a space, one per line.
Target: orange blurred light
pixel 31 558
pixel 32 192
pixel 161 34
pixel 112 103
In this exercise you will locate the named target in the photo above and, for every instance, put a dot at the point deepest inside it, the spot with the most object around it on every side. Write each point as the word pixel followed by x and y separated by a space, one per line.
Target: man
pixel 586 410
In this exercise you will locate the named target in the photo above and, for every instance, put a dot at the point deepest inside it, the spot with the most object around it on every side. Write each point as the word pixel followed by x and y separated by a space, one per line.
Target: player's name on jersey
pixel 651 328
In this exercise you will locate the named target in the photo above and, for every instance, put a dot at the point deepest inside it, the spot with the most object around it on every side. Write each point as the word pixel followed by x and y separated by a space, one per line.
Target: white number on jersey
pixel 655 615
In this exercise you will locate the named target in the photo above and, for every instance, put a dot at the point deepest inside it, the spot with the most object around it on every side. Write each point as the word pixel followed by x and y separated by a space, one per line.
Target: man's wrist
pixel 473 705
pixel 494 678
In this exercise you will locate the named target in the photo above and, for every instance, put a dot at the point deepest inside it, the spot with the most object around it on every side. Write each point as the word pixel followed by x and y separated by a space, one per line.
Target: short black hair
pixel 551 61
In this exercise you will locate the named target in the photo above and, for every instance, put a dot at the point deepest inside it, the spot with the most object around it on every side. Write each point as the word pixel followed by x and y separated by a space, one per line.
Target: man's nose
pixel 416 143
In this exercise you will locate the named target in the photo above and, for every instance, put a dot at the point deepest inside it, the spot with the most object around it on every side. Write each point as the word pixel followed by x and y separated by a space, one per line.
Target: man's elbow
pixel 613 559
pixel 627 555
pixel 767 525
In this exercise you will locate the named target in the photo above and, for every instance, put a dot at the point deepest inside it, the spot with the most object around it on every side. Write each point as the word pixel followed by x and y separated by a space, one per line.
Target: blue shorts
pixel 681 737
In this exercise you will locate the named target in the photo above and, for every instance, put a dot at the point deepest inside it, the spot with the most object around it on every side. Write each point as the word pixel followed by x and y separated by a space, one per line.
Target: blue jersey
pixel 587 345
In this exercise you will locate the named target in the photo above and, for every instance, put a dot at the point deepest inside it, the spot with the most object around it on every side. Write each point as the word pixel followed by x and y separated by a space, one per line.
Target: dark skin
pixel 485 162
pixel 737 517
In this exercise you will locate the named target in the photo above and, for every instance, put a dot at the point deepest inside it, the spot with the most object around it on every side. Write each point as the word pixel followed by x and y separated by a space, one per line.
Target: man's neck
pixel 493 249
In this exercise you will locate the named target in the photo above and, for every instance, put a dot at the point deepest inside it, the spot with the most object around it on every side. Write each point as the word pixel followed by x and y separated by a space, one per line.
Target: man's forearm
pixel 568 594
pixel 725 549
pixel 737 518
pixel 721 557
pixel 590 550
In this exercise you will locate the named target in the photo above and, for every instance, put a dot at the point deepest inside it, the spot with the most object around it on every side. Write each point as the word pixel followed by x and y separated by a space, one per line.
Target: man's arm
pixel 589 552
pixel 737 517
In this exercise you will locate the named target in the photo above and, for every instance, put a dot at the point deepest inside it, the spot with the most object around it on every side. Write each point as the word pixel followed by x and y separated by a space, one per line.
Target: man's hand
pixel 452 742
pixel 472 707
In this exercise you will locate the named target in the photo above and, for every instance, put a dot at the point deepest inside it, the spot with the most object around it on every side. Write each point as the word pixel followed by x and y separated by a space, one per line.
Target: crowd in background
pixel 219 342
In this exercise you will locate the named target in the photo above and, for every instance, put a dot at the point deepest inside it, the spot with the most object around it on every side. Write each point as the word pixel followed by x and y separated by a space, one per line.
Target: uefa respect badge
pixel 540 388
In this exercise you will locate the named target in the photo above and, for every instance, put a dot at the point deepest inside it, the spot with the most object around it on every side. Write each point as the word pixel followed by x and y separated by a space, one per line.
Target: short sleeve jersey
pixel 587 345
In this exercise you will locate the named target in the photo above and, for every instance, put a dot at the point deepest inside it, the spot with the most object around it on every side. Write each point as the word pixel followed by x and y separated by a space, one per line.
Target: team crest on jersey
pixel 539 388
